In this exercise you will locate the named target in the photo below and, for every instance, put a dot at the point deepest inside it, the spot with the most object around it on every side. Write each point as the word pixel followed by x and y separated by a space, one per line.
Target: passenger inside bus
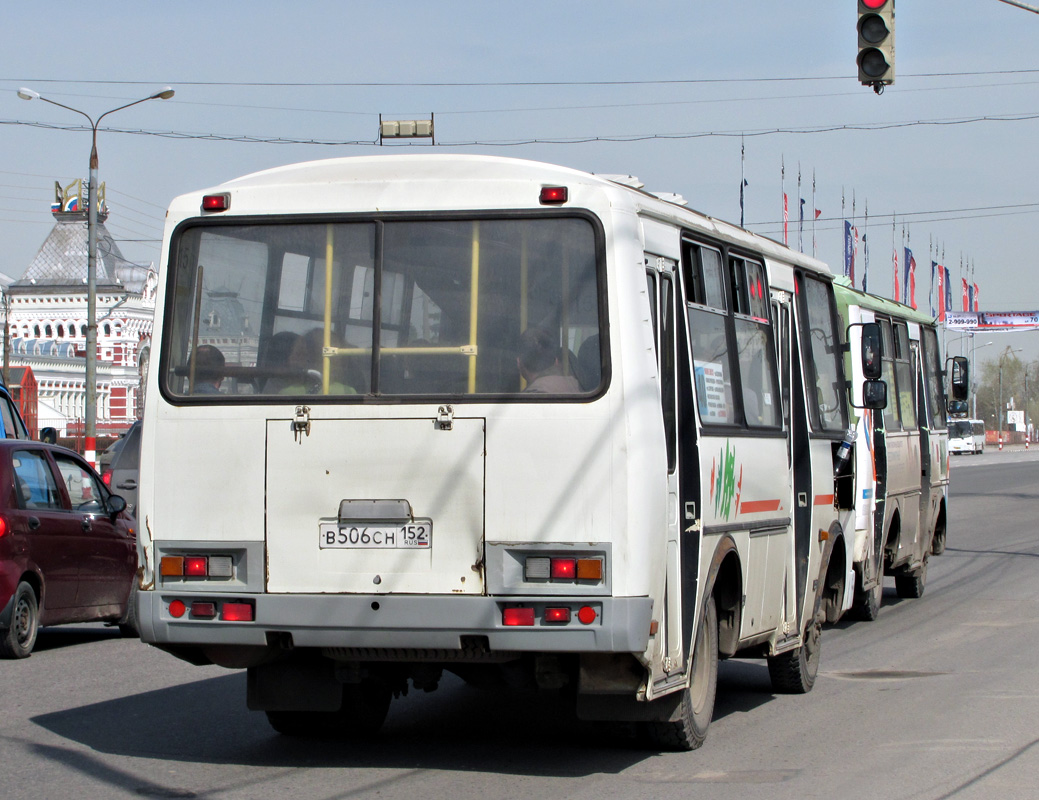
pixel 540 366
pixel 209 369
pixel 307 357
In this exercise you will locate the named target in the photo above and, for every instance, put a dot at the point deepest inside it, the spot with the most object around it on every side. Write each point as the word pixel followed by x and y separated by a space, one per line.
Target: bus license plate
pixel 409 536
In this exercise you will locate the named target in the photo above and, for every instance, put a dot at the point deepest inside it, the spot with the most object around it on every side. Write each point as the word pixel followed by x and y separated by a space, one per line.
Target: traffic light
pixel 876 43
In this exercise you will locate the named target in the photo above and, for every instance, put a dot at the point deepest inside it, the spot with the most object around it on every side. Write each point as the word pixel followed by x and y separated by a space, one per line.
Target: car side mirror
pixel 49 435
pixel 116 505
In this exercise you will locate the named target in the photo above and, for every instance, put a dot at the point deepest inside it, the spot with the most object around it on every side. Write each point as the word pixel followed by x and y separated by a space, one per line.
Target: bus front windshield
pixel 959 429
pixel 384 308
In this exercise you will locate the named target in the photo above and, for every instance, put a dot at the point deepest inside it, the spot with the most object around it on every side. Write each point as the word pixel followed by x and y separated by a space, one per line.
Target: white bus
pixel 966 436
pixel 902 452
pixel 496 417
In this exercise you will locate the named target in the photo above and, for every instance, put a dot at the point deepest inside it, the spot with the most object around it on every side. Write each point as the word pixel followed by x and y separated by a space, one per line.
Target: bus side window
pixel 708 317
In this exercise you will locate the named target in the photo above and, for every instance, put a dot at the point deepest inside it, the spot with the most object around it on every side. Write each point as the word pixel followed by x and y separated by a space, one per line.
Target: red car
pixel 68 550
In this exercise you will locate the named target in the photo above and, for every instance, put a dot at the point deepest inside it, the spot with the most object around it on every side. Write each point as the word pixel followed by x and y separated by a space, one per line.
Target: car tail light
pixel 518 616
pixel 196 566
pixel 3 526
pixel 557 615
pixel 237 612
pixel 107 478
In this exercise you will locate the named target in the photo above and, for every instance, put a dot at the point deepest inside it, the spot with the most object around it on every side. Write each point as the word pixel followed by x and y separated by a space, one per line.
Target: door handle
pixel 130 483
pixel 34 523
pixel 85 523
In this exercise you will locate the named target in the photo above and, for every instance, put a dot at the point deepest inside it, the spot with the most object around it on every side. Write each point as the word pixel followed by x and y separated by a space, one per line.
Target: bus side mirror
pixel 957 407
pixel 960 379
pixel 871 350
pixel 874 394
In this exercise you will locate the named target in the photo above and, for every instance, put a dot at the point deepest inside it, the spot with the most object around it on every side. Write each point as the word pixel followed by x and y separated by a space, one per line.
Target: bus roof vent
pixel 625 180
pixel 671 197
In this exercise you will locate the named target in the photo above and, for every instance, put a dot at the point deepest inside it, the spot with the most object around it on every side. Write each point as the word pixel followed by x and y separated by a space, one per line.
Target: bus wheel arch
pixel 938 537
pixel 832 590
pixel 725 585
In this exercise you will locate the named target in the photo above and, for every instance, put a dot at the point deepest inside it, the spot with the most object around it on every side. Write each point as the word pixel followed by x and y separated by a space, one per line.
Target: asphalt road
pixel 936 699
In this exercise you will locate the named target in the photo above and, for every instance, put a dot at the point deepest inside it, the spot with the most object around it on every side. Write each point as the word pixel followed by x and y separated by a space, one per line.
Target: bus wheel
pixel 365 706
pixel 795 671
pixel 687 728
pixel 866 605
pixel 911 585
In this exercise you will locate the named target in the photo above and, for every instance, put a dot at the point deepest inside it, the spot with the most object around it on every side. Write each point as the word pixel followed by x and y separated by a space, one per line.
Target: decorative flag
pixel 786 220
pixel 941 293
pixel 948 290
pixel 966 295
pixel 975 297
pixel 849 255
pixel 854 253
pixel 801 226
pixel 930 294
pixel 865 262
pixel 894 271
pixel 970 297
pixel 743 183
pixel 910 278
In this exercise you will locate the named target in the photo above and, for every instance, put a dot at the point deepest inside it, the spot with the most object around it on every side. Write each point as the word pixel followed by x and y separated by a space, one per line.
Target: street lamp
pixel 973 378
pixel 90 411
pixel 1003 358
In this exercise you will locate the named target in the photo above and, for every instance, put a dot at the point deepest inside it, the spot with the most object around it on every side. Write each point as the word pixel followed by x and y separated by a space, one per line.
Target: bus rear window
pixel 384 309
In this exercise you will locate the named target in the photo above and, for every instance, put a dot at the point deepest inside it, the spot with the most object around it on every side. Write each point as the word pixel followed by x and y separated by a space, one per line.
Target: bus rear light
pixel 586 615
pixel 171 566
pixel 177 608
pixel 216 202
pixel 237 612
pixel 589 569
pixel 537 569
pixel 196 566
pixel 557 615
pixel 203 610
pixel 220 567
pixel 554 195
pixel 517 616
pixel 564 569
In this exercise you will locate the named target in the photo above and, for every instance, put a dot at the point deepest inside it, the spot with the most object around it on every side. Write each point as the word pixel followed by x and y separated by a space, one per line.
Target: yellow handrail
pixel 474 305
pixel 326 365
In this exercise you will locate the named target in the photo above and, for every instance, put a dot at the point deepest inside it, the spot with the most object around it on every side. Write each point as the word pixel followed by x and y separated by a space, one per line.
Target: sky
pixel 944 160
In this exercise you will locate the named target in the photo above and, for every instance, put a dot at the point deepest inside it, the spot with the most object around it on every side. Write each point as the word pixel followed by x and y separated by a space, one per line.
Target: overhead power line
pixel 466 84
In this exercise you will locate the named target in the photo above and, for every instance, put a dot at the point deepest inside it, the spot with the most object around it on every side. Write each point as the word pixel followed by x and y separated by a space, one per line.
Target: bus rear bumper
pixel 401 622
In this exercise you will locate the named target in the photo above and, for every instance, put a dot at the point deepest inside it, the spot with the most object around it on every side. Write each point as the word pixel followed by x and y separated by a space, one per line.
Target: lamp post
pixel 90 409
pixel 1002 359
pixel 973 379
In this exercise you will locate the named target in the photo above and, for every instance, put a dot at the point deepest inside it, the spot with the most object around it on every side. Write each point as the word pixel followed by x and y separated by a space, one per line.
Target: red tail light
pixel 237 612
pixel 196 566
pixel 107 478
pixel 564 568
pixel 518 616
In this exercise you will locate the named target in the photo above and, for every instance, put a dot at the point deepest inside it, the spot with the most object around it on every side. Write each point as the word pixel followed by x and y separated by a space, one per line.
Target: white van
pixel 966 436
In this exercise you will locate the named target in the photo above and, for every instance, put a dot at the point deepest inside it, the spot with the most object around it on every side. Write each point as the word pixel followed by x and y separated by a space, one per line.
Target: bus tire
pixel 364 709
pixel 687 729
pixel 795 671
pixel 867 602
pixel 128 627
pixel 911 585
pixel 18 640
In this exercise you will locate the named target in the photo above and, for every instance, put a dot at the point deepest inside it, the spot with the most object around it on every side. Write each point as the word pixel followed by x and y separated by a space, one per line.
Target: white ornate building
pixel 46 318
